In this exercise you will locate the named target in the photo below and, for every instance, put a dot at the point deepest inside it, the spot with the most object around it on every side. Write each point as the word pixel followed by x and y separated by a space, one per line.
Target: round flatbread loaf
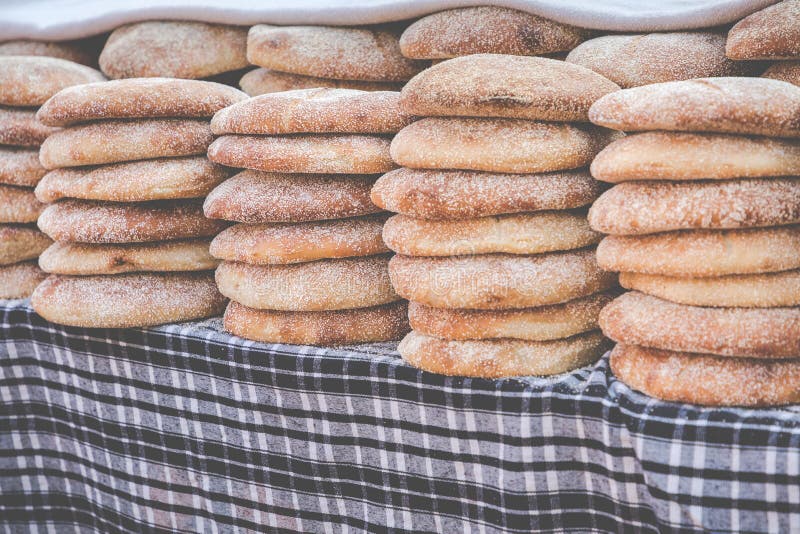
pixel 557 321
pixel 768 290
pixel 387 322
pixel 314 111
pixel 136 181
pixel 19 127
pixel 497 145
pixel 20 243
pixel 703 252
pixel 127 300
pixel 260 197
pixel 634 60
pixel 17 281
pixel 370 54
pixel 707 380
pixel 485 29
pixel 174 49
pixel 688 156
pixel 86 221
pixel 262 81
pixel 500 358
pixel 279 243
pixel 499 281
pixel 143 98
pixel 638 319
pixel 635 208
pixel 20 166
pixel 117 141
pixel 323 285
pixel 27 81
pixel 18 205
pixel 492 85
pixel 753 106
pixel 77 51
pixel 526 233
pixel 90 259
pixel 320 153
pixel 772 33
pixel 433 194
pixel 785 71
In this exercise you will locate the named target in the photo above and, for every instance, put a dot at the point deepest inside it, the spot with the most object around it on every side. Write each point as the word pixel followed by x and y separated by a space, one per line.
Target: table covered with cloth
pixel 186 428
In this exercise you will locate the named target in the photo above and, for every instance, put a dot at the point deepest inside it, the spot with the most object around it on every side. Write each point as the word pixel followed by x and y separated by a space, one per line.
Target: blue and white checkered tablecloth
pixel 186 428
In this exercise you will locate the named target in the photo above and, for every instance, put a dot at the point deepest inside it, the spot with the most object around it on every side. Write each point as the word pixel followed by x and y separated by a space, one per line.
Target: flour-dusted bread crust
pixel 486 29
pixel 261 197
pixel 387 322
pixel 497 145
pixel 18 280
pixel 136 181
pixel 707 380
pixel 368 54
pixel 20 166
pixel 499 281
pixel 77 51
pixel 305 153
pixel 20 243
pixel 635 208
pixel 18 205
pixel 703 252
pixel 262 81
pixel 767 290
pixel 525 233
pixel 499 358
pixel 88 221
pixel 28 81
pixel 90 259
pixel 493 85
pixel 280 243
pixel 324 285
pixel 634 60
pixel 444 194
pixel 753 106
pixel 786 71
pixel 19 127
pixel 772 33
pixel 127 300
pixel 139 98
pixel 690 156
pixel 174 49
pixel 638 319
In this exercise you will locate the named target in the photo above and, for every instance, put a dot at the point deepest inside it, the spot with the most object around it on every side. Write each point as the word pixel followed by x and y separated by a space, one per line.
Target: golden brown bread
pixel 20 166
pixel 18 280
pixel 117 141
pixel 174 49
pixel 260 197
pixel 19 127
pixel 370 54
pixel 262 81
pixel 772 33
pixel 135 181
pixel 269 243
pixel 77 51
pixel 526 233
pixel 18 205
pixel 444 194
pixel 28 81
pixel 638 319
pixel 703 252
pixel 314 111
pixel 141 98
pixel 707 380
pixel 87 221
pixel 387 322
pixel 320 153
pixel 690 156
pixel 499 281
pixel 492 85
pixel 331 284
pixel 497 145
pixel 786 71
pixel 487 29
pixel 499 358
pixel 127 300
pixel 20 243
pixel 752 106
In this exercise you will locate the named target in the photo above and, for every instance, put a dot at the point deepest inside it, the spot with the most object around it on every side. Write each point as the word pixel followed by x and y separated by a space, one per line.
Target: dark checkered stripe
pixel 188 429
